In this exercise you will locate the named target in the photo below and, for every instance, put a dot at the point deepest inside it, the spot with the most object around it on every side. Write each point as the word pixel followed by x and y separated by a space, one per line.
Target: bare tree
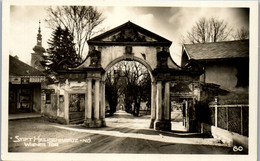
pixel 199 32
pixel 207 30
pixel 138 85
pixel 115 86
pixel 241 34
pixel 80 20
pixel 131 80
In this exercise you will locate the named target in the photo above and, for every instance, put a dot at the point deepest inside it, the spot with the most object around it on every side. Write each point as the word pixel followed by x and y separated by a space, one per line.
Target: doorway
pixel 181 101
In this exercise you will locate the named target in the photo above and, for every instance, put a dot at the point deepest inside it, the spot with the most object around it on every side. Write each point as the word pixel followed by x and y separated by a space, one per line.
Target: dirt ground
pixel 123 134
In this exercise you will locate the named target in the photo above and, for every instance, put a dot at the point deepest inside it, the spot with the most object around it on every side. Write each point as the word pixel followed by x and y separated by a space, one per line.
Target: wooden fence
pixel 233 118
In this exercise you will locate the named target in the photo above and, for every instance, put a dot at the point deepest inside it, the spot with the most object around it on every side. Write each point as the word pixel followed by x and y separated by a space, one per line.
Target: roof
pixel 19 68
pixel 130 33
pixel 218 50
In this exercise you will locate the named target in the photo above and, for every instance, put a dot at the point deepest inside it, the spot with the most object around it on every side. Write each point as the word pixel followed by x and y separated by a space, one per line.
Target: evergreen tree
pixel 61 53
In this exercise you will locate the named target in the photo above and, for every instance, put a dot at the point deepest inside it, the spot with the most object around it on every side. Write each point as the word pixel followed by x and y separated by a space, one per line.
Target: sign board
pixel 25 80
pixel 15 80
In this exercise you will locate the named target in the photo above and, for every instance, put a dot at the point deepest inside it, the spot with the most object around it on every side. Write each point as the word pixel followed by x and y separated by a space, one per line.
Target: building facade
pixel 224 87
pixel 225 66
pixel 24 87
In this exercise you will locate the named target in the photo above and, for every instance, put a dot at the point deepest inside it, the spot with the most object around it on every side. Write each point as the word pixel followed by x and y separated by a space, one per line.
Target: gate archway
pixel 129 42
pixel 130 82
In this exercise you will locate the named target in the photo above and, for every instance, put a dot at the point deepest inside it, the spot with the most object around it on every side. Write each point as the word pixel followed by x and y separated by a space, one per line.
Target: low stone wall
pixel 204 128
pixel 227 137
pixel 75 117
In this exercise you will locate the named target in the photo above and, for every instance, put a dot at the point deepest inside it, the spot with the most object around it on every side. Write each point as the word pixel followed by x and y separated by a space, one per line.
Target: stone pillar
pixel 153 104
pixel 159 101
pixel 103 103
pixel 66 106
pixel 101 113
pixel 187 120
pixel 161 123
pixel 158 106
pixel 96 103
pixel 66 102
pixel 88 105
pixel 94 108
pixel 166 114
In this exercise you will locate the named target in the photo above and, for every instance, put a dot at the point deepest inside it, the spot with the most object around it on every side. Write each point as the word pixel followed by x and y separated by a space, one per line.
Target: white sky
pixel 168 22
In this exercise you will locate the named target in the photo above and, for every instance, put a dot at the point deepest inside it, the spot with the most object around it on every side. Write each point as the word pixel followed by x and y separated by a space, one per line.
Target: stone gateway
pixel 84 86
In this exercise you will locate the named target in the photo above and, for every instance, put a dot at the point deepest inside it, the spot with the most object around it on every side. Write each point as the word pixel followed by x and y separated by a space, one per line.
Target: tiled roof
pixel 19 68
pixel 218 50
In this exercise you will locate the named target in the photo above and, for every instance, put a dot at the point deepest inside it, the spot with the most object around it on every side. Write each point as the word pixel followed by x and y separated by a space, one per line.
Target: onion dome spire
pixel 39 35
pixel 38 47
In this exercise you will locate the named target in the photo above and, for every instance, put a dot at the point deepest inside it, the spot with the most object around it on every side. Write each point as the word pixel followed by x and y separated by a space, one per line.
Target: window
pixel 47 93
pixel 48 98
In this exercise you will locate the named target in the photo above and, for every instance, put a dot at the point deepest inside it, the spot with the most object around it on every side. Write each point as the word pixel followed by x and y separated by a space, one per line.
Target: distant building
pixel 37 56
pixel 225 65
pixel 24 87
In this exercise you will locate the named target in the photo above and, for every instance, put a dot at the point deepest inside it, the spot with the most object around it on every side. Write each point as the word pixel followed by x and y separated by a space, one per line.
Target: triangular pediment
pixel 129 33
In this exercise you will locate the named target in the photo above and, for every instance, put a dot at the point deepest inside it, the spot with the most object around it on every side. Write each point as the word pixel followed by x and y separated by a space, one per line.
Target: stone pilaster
pixel 96 93
pixel 159 101
pixel 103 103
pixel 97 120
pixel 88 106
pixel 166 114
pixel 153 104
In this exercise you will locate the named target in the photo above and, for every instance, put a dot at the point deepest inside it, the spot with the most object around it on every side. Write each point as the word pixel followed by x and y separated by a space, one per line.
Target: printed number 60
pixel 235 148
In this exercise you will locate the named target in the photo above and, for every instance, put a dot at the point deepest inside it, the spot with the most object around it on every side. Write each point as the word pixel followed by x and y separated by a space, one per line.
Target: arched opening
pixel 128 92
pixel 122 58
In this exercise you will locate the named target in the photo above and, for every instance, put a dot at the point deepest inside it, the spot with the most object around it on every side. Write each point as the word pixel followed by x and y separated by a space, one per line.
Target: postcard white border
pixel 253 93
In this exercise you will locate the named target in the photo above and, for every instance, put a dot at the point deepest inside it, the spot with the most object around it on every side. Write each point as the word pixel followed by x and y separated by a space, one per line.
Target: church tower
pixel 37 56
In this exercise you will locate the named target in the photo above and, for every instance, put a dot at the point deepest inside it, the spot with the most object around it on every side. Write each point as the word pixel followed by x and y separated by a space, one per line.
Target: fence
pixel 233 118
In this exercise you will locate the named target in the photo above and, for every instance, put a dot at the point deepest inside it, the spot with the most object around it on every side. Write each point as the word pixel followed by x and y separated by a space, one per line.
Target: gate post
pixel 94 114
pixel 167 101
pixel 162 121
pixel 103 103
pixel 96 103
pixel 88 105
pixel 153 104
pixel 159 101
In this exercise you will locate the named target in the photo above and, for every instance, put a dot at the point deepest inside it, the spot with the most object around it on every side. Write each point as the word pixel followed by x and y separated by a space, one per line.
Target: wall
pixel 110 53
pixel 227 137
pixel 49 109
pixel 58 109
pixel 221 74
pixel 37 98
